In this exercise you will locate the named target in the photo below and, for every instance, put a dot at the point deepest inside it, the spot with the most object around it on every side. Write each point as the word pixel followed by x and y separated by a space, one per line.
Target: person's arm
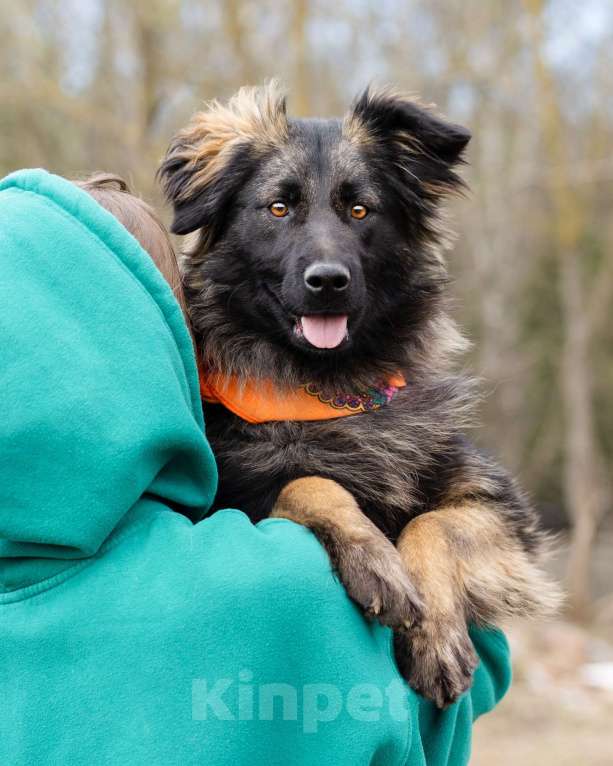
pixel 438 737
pixel 301 630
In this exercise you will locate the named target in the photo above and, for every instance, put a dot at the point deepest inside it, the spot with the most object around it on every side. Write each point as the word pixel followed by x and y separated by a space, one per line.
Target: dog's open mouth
pixel 323 331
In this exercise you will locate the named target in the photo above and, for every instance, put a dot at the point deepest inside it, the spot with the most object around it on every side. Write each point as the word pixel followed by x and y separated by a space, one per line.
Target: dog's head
pixel 318 248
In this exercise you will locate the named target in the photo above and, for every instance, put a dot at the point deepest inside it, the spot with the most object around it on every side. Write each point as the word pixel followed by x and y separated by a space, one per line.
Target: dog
pixel 317 287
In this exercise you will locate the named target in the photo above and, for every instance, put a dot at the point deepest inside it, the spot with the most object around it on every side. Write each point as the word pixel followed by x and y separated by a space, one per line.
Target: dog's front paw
pixel 373 575
pixel 437 658
pixel 366 562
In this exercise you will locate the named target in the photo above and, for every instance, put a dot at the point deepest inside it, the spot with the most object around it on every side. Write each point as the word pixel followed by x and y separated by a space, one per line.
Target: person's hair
pixel 113 194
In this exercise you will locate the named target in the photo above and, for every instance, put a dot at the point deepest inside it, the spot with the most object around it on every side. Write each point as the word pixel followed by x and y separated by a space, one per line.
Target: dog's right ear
pixel 208 161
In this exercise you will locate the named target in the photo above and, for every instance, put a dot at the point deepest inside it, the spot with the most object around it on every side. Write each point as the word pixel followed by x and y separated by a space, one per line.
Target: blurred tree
pixel 583 483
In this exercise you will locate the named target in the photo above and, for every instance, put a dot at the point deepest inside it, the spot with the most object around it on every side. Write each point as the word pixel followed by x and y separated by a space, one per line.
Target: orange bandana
pixel 261 402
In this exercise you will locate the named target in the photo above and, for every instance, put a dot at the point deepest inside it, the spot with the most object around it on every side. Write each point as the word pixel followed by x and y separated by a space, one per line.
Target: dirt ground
pixel 528 730
pixel 559 711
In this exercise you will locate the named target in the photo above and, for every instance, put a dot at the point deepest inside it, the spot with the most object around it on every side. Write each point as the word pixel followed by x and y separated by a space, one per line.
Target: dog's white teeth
pixel 298 329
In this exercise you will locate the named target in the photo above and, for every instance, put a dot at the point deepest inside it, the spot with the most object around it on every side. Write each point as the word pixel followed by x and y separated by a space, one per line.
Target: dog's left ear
pixel 416 138
pixel 207 161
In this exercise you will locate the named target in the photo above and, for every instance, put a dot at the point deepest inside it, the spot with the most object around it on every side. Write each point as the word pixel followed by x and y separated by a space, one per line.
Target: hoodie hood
pixel 100 408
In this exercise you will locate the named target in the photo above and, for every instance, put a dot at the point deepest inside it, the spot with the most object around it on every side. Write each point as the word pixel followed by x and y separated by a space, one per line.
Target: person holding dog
pixel 132 629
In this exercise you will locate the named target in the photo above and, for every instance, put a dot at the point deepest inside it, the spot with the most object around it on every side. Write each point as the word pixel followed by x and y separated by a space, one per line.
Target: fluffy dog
pixel 316 277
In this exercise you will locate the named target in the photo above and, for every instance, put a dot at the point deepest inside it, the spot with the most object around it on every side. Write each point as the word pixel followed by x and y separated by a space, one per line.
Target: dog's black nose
pixel 323 277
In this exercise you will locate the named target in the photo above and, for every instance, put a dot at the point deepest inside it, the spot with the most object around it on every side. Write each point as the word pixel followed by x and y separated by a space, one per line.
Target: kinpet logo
pixel 240 699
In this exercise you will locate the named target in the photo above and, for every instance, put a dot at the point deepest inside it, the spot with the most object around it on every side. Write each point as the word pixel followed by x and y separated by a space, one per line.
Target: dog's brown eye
pixel 359 212
pixel 279 209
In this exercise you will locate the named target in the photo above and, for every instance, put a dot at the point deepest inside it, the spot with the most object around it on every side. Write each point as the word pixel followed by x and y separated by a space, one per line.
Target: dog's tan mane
pixel 254 115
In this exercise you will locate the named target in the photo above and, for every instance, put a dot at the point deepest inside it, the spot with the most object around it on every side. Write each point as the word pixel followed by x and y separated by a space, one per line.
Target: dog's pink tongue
pixel 324 331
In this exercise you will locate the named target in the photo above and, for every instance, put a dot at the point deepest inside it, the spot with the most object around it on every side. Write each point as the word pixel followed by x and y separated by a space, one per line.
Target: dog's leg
pixel 366 562
pixel 469 566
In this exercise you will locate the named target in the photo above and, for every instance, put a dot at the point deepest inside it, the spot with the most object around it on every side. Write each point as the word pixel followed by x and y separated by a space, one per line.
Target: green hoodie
pixel 132 632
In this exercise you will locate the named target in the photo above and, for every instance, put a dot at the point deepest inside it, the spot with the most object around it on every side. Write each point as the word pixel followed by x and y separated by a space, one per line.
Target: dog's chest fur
pixel 385 458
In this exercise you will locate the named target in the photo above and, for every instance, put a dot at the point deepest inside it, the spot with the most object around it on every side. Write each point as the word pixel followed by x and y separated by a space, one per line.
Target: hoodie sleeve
pixel 445 735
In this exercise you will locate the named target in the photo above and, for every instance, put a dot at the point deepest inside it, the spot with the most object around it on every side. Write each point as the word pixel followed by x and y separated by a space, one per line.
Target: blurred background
pixel 102 84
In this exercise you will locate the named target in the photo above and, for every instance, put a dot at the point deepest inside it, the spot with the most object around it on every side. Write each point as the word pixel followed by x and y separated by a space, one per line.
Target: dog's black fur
pixel 244 277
